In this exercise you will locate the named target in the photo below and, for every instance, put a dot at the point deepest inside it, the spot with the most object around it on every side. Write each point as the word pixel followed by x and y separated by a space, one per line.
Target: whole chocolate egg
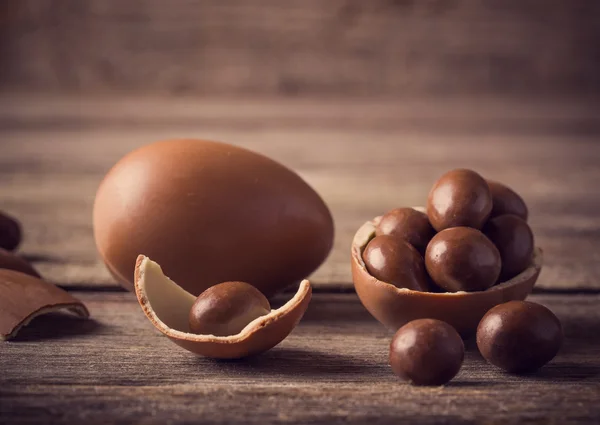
pixel 210 212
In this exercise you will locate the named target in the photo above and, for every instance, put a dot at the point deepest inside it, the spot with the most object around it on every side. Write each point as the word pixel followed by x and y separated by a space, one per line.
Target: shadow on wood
pixel 281 361
pixel 566 372
pixel 57 326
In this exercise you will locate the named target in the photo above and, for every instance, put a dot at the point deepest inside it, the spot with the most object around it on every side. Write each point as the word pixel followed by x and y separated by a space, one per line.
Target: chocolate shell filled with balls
pixel 467 251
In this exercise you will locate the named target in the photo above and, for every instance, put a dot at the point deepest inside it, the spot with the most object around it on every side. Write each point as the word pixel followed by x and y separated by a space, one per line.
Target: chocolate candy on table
pixel 397 262
pixel 409 224
pixel 519 336
pixel 225 309
pixel 462 259
pixel 459 198
pixel 506 201
pixel 10 232
pixel 426 352
pixel 514 239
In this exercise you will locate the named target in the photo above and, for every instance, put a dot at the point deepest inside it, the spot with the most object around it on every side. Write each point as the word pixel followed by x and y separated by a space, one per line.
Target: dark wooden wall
pixel 335 47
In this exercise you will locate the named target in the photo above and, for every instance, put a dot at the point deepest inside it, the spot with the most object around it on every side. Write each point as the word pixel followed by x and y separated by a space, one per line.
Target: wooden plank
pixel 358 155
pixel 342 47
pixel 332 369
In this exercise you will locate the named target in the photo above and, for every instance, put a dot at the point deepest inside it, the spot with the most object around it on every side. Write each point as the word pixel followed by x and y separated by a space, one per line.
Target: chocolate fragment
pixel 24 297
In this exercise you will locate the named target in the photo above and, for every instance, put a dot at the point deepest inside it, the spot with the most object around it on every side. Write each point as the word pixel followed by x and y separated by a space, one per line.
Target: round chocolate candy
pixel 506 201
pixel 514 239
pixel 397 262
pixel 462 259
pixel 409 224
pixel 459 198
pixel 426 352
pixel 225 309
pixel 10 232
pixel 519 336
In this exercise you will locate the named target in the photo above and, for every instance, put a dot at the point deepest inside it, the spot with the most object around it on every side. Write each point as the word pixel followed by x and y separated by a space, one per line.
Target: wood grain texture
pixel 363 157
pixel 332 369
pixel 299 47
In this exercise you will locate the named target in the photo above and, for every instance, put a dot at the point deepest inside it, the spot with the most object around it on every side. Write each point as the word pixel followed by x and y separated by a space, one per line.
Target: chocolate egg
pixel 394 307
pixel 199 205
pixel 168 306
pixel 397 262
pixel 506 201
pixel 514 239
pixel 459 198
pixel 409 224
pixel 463 259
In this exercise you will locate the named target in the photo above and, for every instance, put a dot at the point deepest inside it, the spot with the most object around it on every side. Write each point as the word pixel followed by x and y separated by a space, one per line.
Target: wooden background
pixel 364 158
pixel 332 369
pixel 302 47
pixel 369 101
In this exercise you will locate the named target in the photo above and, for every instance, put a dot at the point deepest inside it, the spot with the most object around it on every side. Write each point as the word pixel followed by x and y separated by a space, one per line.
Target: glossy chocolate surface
pixel 519 336
pixel 397 262
pixel 426 352
pixel 459 198
pixel 394 307
pixel 506 201
pixel 408 224
pixel 514 239
pixel 462 259
pixel 210 212
pixel 225 309
pixel 10 232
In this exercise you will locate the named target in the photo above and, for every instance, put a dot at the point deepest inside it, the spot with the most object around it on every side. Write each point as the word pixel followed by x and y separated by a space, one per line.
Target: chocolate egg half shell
pixel 394 307
pixel 194 205
pixel 167 306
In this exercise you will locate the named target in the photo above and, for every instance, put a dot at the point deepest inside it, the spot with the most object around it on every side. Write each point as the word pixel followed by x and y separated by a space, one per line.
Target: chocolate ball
pixel 426 352
pixel 409 224
pixel 397 262
pixel 506 201
pixel 459 198
pixel 10 232
pixel 462 259
pixel 225 309
pixel 519 336
pixel 514 239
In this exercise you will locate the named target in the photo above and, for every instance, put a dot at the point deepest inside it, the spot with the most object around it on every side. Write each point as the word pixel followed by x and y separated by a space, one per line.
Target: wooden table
pixel 364 157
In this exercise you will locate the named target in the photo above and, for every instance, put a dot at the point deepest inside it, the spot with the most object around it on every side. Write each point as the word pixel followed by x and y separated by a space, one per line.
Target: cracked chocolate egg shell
pixel 394 307
pixel 196 205
pixel 167 305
